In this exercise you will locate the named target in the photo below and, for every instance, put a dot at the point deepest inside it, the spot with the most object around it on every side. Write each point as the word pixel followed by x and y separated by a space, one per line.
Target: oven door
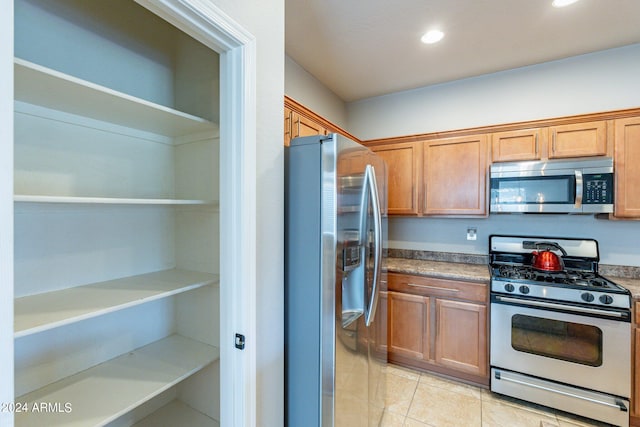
pixel 590 349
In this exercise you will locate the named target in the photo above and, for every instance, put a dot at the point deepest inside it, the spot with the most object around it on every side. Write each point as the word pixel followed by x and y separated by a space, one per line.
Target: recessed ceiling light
pixel 562 3
pixel 432 36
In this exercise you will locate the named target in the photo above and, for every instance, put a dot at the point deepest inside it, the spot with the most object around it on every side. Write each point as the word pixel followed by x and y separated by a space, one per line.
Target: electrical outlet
pixel 472 233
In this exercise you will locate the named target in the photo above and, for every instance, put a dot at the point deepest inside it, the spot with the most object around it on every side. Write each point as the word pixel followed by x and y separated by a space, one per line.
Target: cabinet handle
pixel 553 143
pixel 536 143
pixel 435 288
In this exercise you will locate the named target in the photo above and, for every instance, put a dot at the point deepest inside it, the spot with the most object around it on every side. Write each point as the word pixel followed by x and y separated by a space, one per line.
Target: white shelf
pixel 35 84
pixel 176 413
pixel 37 313
pixel 107 391
pixel 27 198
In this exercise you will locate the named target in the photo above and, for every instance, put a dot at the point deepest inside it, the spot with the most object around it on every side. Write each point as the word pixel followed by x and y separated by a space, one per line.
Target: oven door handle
pixel 570 308
pixel 618 404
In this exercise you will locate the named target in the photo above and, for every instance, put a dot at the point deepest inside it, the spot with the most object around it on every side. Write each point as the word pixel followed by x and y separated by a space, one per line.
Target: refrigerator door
pixel 360 352
pixel 335 225
pixel 372 245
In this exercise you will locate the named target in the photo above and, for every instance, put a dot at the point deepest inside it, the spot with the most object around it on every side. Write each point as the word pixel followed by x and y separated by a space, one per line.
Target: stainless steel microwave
pixel 577 186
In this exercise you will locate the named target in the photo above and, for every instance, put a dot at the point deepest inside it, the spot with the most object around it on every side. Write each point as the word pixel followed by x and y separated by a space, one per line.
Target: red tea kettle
pixel 544 259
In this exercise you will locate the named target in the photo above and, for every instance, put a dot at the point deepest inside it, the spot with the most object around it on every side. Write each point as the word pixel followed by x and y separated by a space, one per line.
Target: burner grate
pixel 567 277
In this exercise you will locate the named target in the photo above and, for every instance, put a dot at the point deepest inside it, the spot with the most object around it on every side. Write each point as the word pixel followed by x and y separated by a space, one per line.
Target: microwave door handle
pixel 579 189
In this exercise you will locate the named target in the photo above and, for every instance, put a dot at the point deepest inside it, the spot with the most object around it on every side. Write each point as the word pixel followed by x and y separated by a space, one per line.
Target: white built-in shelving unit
pixel 37 313
pixel 116 218
pixel 109 390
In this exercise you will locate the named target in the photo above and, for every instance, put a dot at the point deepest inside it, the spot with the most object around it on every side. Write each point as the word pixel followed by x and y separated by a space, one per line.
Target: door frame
pixel 206 23
pixel 6 210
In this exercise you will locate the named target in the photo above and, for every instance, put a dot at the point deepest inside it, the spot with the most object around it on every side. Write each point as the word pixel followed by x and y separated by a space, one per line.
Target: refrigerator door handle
pixel 370 180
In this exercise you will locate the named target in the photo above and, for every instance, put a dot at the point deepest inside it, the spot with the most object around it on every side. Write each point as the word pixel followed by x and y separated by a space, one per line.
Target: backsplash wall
pixel 618 240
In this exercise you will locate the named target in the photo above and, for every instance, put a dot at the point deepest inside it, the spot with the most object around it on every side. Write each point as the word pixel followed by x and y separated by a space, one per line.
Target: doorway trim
pixel 208 24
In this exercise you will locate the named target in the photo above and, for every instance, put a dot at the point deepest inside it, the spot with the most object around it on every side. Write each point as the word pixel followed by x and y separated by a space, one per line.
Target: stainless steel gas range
pixel 559 338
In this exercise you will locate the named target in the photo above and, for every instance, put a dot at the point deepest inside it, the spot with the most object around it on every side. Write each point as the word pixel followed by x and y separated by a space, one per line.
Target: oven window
pixel 573 342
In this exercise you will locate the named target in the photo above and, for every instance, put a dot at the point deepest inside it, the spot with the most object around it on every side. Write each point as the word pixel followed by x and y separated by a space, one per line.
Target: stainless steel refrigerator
pixel 335 283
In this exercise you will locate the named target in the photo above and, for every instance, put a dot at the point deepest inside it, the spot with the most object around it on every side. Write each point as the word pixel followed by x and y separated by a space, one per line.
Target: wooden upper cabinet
pixel 517 145
pixel 287 126
pixel 403 176
pixel 627 167
pixel 578 140
pixel 296 125
pixel 302 126
pixel 455 176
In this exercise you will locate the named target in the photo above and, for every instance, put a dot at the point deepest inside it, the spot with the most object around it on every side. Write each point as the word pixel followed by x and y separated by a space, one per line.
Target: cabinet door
pixel 381 328
pixel 579 139
pixel 627 167
pixel 516 145
pixel 455 176
pixel 403 176
pixel 461 337
pixel 302 126
pixel 287 125
pixel 408 325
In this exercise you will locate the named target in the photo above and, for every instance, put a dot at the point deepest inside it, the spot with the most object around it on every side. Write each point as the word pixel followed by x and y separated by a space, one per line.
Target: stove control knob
pixel 606 299
pixel 587 297
pixel 524 289
pixel 509 287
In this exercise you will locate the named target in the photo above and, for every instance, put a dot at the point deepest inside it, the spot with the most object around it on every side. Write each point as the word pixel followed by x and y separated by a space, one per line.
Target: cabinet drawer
pixel 430 286
pixel 637 313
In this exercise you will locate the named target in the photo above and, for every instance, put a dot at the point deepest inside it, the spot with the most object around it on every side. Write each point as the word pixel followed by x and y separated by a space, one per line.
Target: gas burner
pixel 516 272
pixel 574 276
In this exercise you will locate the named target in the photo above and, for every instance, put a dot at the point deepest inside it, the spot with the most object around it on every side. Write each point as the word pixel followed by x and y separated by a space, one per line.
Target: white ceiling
pixel 364 48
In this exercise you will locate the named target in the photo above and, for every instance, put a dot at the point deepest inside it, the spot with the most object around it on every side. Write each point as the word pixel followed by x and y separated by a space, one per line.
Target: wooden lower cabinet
pixel 439 325
pixel 461 339
pixel 408 325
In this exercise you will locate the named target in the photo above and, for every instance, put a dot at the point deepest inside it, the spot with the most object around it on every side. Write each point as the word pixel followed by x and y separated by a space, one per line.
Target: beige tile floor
pixel 416 399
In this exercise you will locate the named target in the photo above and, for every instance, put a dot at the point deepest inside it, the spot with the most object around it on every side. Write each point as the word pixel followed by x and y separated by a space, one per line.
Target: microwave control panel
pixel 598 189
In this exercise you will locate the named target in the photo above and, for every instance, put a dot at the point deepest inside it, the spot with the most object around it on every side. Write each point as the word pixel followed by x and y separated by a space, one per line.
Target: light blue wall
pixel 618 240
pixel 307 90
pixel 602 81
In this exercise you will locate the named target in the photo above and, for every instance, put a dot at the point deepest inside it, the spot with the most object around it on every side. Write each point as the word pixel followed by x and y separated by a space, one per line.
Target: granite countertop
pixel 440 269
pixel 632 284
